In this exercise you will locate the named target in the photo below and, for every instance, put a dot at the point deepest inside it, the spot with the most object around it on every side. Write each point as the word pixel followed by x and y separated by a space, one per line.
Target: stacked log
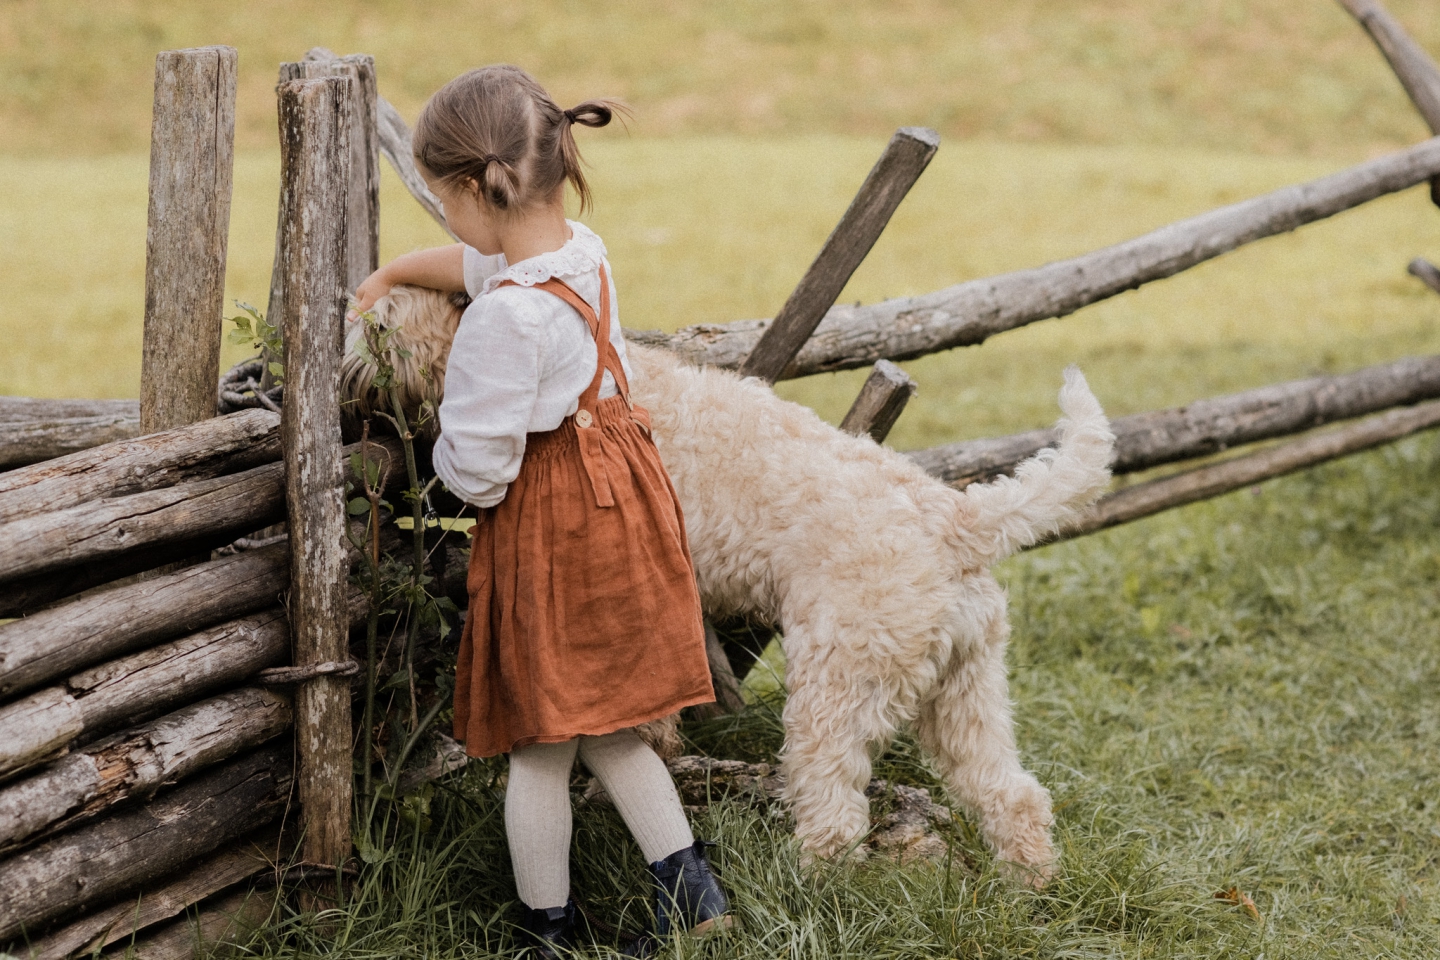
pixel 109 698
pixel 35 430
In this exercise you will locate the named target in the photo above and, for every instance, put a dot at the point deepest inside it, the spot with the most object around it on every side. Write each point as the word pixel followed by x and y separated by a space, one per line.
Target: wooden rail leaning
pixel 1209 426
pixel 906 156
pixel 970 313
pixel 395 144
pixel 1413 67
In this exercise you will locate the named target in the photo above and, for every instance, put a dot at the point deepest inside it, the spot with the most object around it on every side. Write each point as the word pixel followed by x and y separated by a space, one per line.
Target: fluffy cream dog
pixel 876 572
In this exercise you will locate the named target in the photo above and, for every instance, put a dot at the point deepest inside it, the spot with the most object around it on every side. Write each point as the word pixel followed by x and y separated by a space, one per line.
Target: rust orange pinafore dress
pixel 584 615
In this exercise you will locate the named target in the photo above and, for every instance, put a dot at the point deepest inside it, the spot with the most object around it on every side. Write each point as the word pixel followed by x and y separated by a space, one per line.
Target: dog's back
pixel 770 484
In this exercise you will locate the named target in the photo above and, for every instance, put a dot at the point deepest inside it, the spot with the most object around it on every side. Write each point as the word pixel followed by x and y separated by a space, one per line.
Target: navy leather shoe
pixel 548 934
pixel 688 899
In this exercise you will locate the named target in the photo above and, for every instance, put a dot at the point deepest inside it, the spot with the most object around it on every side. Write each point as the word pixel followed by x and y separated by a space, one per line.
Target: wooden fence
pixel 163 652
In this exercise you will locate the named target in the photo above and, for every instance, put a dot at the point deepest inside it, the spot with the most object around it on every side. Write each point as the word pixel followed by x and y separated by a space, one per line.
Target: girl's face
pixel 467 215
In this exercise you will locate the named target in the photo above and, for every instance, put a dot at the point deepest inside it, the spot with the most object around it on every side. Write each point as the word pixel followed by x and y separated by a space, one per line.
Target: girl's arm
pixel 439 268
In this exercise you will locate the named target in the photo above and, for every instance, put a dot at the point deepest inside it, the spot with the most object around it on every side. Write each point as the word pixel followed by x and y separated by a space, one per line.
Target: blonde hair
pixel 497 128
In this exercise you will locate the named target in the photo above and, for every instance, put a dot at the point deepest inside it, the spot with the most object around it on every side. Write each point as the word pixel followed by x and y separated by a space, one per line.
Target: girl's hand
pixel 370 290
pixel 439 268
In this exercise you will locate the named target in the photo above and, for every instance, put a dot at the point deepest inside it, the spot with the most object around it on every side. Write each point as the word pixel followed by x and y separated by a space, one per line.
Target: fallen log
pixel 199 451
pixel 138 762
pixel 880 402
pixel 113 622
pixel 970 313
pixel 99 861
pixel 216 510
pixel 1203 483
pixel 230 918
pixel 124 919
pixel 906 156
pixel 35 430
pixel 46 722
pixel 1210 426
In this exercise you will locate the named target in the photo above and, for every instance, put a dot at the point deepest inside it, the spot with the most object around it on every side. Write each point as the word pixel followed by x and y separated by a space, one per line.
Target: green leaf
pixel 357 506
pixel 277 368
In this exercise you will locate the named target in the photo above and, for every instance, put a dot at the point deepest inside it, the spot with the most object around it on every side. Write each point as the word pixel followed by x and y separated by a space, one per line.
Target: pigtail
pixel 499 184
pixel 591 113
pixel 496 132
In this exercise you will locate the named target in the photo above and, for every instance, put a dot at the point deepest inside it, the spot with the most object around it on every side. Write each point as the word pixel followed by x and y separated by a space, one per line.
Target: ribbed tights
pixel 537 807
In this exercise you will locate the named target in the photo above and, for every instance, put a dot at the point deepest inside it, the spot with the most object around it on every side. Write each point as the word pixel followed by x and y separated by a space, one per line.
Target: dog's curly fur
pixel 877 574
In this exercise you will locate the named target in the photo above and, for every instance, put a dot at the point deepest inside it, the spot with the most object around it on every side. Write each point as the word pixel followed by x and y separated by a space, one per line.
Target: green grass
pixel 1273 76
pixel 1240 694
pixel 716 229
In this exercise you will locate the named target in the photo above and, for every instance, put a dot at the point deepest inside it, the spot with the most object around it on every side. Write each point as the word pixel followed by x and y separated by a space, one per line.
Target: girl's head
pixel 495 133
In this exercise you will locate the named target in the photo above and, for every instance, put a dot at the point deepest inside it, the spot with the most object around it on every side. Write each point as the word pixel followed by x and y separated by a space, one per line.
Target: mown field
pixel 1237 694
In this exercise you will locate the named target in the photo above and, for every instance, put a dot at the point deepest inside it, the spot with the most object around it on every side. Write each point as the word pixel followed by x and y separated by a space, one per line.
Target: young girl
pixel 584 619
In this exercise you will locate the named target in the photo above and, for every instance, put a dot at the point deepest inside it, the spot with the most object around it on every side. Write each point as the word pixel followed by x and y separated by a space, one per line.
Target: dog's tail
pixel 1011 513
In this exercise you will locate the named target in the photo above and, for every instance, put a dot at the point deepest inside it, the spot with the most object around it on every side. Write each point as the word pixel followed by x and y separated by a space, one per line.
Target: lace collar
pixel 581 254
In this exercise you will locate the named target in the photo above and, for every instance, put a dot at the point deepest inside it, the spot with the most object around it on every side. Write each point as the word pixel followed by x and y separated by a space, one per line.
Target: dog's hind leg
pixel 966 728
pixel 830 726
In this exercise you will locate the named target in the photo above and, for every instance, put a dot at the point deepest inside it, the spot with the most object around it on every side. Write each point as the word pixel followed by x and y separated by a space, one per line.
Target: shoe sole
pixel 712 926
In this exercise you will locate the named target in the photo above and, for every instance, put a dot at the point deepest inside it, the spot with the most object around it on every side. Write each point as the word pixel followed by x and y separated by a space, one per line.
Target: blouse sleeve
pixel 492 381
pixel 479 268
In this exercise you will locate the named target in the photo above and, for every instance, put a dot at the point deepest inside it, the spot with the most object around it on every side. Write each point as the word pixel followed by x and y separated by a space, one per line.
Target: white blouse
pixel 519 362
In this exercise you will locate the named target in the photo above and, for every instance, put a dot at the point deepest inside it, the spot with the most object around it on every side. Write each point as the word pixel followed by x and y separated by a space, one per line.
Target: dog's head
pixel 421 323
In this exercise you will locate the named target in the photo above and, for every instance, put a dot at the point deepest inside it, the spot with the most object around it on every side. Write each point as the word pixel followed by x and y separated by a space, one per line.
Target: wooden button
pixel 582 418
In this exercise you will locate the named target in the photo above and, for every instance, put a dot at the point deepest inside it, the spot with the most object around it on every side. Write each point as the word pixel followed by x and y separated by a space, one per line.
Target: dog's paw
pixel 833 855
pixel 1020 837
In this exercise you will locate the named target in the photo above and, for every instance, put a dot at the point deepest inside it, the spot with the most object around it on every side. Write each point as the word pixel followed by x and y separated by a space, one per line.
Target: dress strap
pixel 586 422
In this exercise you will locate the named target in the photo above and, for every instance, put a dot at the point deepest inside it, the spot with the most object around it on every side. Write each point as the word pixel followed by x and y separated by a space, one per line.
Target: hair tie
pixel 568 115
pixel 488 159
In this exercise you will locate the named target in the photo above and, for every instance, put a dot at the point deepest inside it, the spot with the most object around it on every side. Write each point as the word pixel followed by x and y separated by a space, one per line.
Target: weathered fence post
pixel 315 150
pixel 905 158
pixel 880 402
pixel 192 141
pixel 362 244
